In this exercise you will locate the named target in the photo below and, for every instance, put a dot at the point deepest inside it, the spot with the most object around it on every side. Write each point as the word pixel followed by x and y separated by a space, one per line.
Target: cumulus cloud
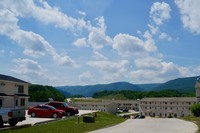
pixel 111 70
pixel 165 36
pixel 189 10
pixel 34 45
pixel 127 45
pixel 86 77
pixel 99 56
pixel 80 42
pixel 160 12
pixel 155 70
pixel 97 37
pixel 31 69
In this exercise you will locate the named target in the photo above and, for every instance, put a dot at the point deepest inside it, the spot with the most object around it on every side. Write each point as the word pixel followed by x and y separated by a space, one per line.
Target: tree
pixel 40 93
pixel 195 109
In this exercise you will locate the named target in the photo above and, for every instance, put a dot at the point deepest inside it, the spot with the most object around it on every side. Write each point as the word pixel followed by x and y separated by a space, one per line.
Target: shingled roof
pixel 9 78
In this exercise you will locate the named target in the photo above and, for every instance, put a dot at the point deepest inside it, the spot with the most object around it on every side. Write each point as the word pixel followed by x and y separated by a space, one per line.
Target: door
pixel 1 103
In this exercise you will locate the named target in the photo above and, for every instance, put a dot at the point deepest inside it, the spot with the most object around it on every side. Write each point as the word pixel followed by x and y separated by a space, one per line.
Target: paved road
pixel 152 125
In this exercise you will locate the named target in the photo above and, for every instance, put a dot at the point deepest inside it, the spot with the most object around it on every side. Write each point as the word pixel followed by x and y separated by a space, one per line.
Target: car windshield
pixel 52 108
pixel 65 104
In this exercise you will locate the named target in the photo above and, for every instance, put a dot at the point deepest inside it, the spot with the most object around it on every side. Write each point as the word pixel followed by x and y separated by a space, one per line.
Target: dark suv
pixel 64 106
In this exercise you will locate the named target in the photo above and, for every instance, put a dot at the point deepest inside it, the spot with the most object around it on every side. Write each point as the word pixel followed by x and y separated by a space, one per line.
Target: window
pixel 20 89
pixel 1 103
pixel 22 102
pixel 16 102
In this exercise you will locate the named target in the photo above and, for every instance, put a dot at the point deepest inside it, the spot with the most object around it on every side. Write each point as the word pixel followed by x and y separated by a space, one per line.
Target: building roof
pixel 169 99
pixel 9 78
pixel 94 103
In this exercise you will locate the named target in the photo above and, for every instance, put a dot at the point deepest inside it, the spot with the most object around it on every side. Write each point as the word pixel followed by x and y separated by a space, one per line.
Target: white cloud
pixel 97 37
pixel 65 61
pixel 86 77
pixel 31 70
pixel 127 45
pixel 148 63
pixel 99 56
pixel 2 51
pixel 80 42
pixel 165 36
pixel 149 70
pixel 111 70
pixel 189 10
pixel 34 45
pixel 160 12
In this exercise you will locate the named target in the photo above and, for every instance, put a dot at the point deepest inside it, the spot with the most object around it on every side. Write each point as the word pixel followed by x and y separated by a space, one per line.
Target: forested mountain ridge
pixel 180 84
pixel 89 90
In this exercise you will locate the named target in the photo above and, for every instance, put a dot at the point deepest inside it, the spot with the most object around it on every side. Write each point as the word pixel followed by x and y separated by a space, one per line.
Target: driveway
pixel 152 125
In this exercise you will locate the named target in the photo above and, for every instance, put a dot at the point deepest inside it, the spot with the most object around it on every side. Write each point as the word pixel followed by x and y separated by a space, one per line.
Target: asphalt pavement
pixel 152 125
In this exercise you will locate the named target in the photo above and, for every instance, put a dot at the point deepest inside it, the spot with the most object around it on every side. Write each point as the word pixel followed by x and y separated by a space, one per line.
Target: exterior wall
pixel 10 88
pixel 112 108
pixel 127 104
pixel 164 108
pixel 100 106
pixel 197 86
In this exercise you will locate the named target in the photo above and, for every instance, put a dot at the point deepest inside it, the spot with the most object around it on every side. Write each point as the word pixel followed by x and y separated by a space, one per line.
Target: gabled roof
pixel 9 78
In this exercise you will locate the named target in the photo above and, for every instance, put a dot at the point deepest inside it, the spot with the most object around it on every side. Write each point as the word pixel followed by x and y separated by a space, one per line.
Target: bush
pixel 195 109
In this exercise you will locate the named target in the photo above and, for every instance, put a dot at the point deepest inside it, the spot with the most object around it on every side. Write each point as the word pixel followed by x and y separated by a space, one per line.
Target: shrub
pixel 195 109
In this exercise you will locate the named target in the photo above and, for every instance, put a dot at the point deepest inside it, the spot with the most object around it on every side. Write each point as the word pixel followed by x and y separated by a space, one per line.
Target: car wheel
pixel 13 122
pixel 68 113
pixel 55 115
pixel 33 114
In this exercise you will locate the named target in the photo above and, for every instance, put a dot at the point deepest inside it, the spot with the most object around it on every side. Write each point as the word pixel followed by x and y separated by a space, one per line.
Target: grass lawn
pixel 71 126
pixel 194 119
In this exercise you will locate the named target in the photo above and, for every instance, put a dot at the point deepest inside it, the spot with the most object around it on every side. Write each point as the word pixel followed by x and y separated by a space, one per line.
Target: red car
pixel 65 107
pixel 45 111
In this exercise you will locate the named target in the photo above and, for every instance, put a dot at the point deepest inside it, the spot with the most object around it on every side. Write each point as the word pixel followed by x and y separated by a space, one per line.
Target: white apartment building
pixel 109 107
pixel 127 104
pixel 13 92
pixel 167 107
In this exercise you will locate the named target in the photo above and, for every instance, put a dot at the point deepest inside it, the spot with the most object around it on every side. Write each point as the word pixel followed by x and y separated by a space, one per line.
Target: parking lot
pixel 34 121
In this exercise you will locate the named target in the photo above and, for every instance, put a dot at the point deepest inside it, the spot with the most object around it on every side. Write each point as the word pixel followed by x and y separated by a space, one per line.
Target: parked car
pixel 65 107
pixel 139 117
pixel 11 116
pixel 45 111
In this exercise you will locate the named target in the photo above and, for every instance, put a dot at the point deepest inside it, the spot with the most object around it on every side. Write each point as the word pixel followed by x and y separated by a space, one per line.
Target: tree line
pixel 139 94
pixel 40 93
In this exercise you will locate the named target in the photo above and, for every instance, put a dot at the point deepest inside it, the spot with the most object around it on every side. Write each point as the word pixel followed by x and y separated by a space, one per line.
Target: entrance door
pixel 1 103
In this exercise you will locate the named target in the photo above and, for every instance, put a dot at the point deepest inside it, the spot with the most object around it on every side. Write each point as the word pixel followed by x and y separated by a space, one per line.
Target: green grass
pixel 194 119
pixel 71 126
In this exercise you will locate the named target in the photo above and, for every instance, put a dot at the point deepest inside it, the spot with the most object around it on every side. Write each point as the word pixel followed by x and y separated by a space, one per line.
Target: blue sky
pixel 79 42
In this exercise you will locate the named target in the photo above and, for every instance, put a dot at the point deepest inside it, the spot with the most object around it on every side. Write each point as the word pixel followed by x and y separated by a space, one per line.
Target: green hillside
pixel 40 93
pixel 89 90
pixel 180 84
pixel 185 85
pixel 127 94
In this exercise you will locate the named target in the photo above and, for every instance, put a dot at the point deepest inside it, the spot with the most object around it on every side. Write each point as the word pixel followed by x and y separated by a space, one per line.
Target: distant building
pixel 127 104
pixel 154 107
pixel 13 92
pixel 109 107
pixel 167 107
